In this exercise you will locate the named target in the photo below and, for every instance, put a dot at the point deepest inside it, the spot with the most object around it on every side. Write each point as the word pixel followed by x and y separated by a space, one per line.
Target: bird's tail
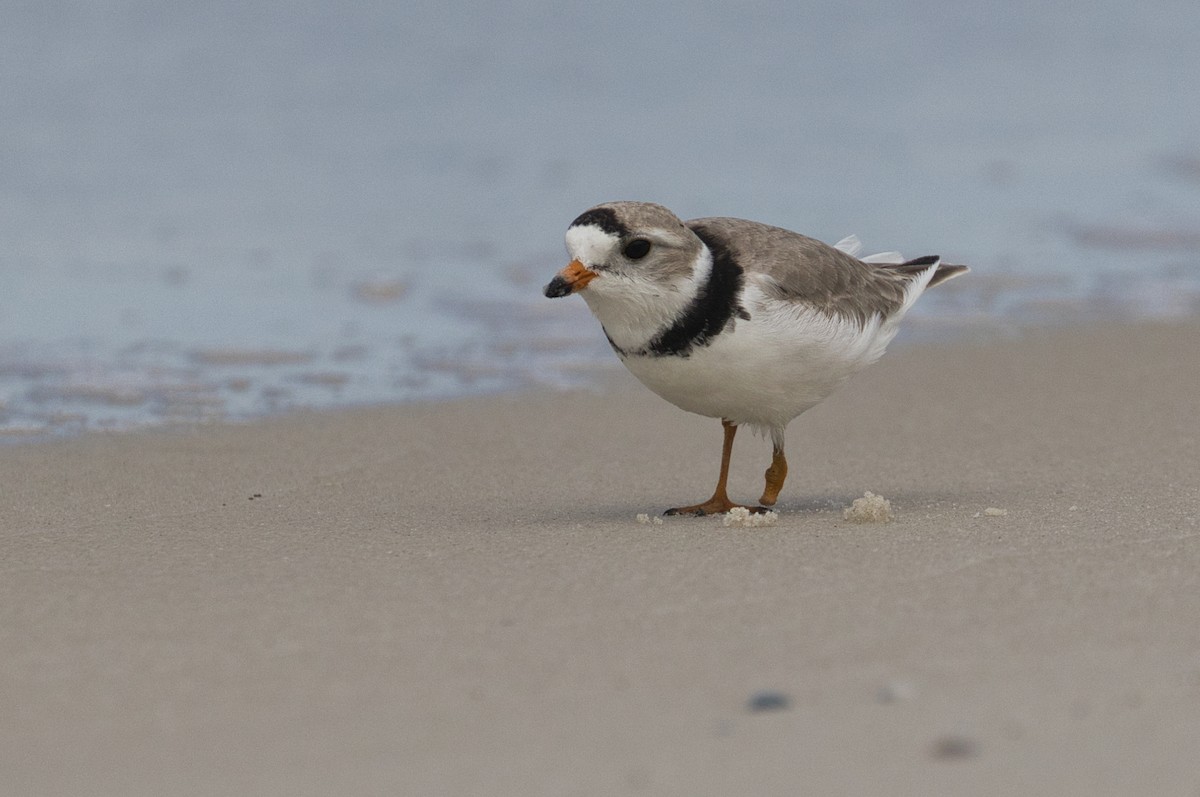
pixel 896 262
pixel 913 268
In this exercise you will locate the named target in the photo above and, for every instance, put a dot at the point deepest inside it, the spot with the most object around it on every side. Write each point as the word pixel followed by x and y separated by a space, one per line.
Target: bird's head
pixel 626 250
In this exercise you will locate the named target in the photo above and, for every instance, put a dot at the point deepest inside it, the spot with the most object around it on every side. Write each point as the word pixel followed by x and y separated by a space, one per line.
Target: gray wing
pixel 803 269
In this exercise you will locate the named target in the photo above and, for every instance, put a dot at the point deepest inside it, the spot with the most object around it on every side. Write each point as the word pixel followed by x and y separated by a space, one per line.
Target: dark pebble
pixel 955 748
pixel 769 701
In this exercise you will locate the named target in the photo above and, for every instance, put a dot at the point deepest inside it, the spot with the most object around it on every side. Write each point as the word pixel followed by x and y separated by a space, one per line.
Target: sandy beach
pixel 457 598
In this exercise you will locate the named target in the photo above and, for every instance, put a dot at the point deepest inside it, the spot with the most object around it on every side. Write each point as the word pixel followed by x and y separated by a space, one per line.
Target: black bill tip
pixel 557 287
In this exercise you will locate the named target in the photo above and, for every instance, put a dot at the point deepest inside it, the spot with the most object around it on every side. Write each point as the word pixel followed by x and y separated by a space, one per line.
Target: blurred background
pixel 225 209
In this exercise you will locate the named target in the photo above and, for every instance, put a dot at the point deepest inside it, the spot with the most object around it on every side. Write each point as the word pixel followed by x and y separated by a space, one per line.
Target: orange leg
pixel 720 499
pixel 775 476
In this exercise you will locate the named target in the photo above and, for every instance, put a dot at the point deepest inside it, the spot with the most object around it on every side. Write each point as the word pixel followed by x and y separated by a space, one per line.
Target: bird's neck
pixel 636 313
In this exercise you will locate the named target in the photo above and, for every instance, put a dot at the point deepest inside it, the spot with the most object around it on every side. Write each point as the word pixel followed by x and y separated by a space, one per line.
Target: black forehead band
pixel 604 218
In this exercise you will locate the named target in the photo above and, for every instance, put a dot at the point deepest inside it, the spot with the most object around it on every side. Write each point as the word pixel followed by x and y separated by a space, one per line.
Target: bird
pixel 737 320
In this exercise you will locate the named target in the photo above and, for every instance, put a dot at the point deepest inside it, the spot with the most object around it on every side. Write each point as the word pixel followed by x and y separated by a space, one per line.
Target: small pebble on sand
pixel 768 700
pixel 992 511
pixel 896 692
pixel 955 747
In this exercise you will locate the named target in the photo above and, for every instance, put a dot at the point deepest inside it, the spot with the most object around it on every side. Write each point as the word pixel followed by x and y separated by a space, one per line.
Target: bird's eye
pixel 637 249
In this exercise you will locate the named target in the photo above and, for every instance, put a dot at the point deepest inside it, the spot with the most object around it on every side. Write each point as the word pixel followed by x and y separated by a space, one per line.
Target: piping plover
pixel 737 320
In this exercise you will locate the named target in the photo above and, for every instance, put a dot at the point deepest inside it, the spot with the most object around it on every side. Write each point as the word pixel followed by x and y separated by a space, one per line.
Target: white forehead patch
pixel 590 245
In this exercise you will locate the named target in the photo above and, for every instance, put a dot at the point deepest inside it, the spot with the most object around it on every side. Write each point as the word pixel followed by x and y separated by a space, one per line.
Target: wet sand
pixel 458 599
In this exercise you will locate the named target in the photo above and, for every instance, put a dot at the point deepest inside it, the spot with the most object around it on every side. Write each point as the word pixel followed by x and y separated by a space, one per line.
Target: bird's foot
pixel 713 506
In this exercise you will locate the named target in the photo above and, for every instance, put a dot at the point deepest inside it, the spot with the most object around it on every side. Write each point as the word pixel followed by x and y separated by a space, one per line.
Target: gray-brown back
pixel 804 269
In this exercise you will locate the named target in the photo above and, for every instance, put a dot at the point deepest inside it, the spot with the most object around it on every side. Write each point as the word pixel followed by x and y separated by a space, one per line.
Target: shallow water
pixel 235 209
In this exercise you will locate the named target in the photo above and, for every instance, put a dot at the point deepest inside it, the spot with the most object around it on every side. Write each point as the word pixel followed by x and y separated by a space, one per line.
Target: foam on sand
pixel 870 508
pixel 742 517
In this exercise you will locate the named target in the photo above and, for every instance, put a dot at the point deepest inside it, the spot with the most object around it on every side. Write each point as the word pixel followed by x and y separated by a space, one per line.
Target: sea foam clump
pixel 870 508
pixel 742 517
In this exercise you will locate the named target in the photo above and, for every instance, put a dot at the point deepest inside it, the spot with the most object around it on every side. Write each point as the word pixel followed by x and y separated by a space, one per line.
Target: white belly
pixel 769 369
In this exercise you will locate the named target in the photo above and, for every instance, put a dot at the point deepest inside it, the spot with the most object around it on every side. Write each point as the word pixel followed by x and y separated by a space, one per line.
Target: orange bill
pixel 574 277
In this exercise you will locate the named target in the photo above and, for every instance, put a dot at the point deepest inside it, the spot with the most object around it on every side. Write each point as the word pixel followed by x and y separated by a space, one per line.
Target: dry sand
pixel 458 599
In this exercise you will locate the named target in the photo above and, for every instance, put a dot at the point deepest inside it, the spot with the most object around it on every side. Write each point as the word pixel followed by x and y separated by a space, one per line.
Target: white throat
pixel 635 308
